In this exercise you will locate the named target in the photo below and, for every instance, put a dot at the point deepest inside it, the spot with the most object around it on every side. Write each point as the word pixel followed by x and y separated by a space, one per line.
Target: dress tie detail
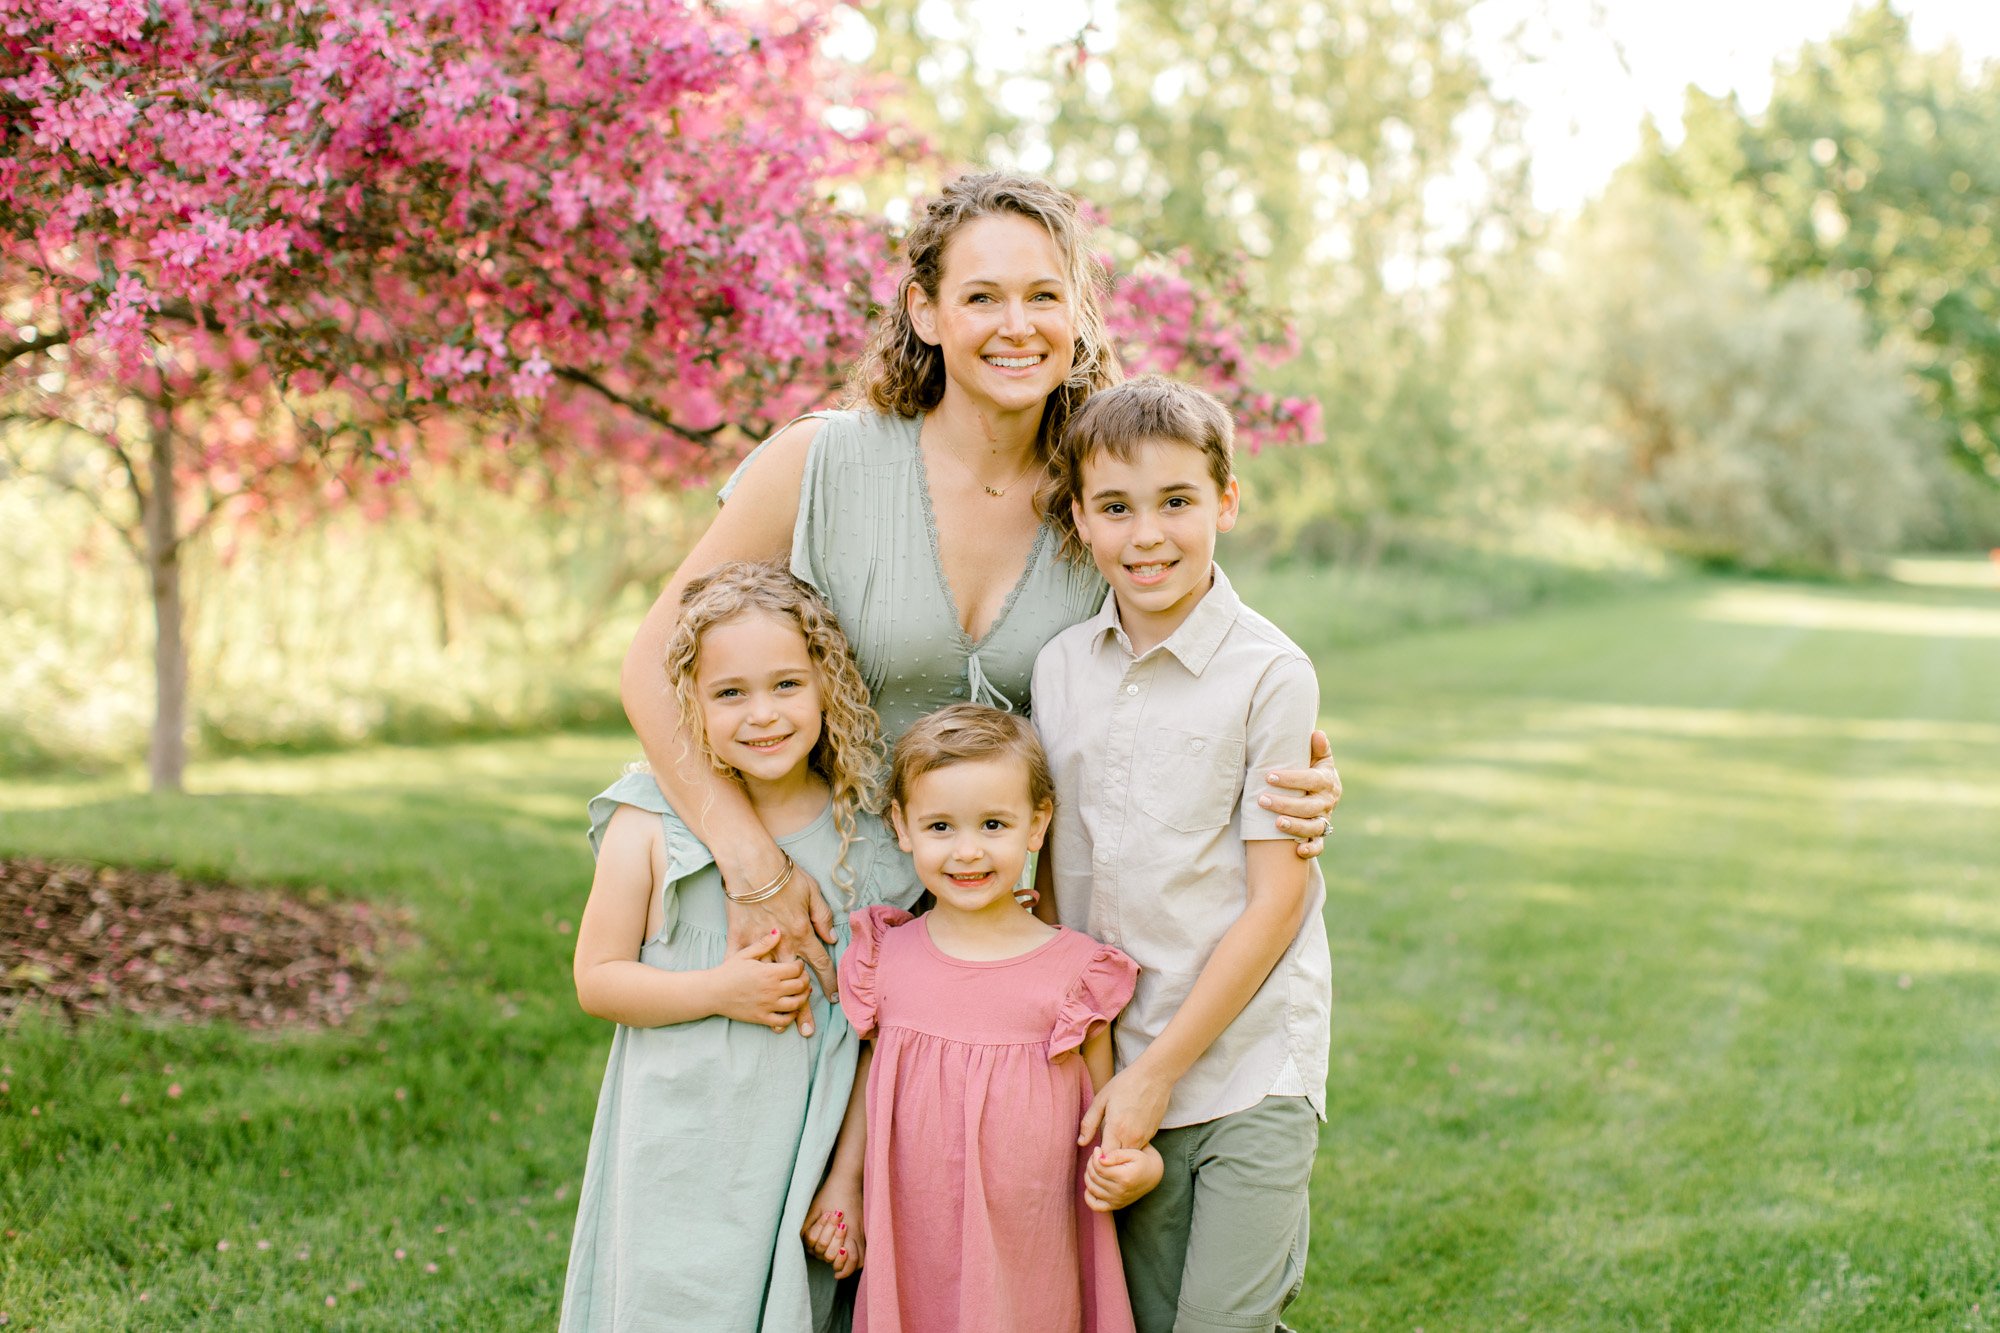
pixel 981 690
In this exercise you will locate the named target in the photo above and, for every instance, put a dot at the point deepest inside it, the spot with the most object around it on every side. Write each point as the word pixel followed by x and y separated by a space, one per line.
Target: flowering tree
pixel 359 210
pixel 250 251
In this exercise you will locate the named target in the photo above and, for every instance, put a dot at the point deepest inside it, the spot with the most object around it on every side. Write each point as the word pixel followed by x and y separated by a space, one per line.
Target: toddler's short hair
pixel 968 734
pixel 1115 420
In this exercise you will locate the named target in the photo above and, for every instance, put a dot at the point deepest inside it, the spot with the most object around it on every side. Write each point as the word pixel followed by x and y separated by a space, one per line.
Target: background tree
pixel 273 255
pixel 1354 151
pixel 1760 427
pixel 1877 166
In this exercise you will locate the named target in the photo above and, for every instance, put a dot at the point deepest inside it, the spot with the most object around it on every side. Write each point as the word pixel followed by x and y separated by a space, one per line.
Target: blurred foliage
pixel 1756 426
pixel 1877 166
pixel 1355 150
pixel 469 612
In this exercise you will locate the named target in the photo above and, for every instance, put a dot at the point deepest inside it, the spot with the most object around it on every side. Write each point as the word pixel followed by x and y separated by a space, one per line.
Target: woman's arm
pixel 756 524
pixel 1305 799
pixel 612 983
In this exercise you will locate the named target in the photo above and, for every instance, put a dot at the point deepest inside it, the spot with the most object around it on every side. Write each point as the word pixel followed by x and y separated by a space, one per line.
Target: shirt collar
pixel 1195 642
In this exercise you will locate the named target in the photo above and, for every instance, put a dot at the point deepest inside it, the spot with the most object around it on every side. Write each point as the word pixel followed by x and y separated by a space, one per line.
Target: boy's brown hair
pixel 1114 421
pixel 968 734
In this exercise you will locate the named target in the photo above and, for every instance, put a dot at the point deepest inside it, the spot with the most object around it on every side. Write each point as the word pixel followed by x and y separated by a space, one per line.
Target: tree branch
pixel 651 411
pixel 56 477
pixel 13 348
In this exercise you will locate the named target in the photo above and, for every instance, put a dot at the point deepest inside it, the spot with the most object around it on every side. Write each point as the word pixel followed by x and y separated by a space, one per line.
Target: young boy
pixel 1162 717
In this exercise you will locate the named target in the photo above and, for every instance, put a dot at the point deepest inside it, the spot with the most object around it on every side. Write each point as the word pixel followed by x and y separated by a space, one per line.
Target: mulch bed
pixel 90 940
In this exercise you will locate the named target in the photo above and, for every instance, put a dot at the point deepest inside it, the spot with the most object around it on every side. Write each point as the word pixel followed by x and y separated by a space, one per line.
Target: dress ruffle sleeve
pixel 1100 991
pixel 858 996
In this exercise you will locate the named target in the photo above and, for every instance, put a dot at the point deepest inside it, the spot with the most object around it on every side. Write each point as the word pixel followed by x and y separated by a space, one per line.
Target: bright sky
pixel 1609 62
pixel 1603 63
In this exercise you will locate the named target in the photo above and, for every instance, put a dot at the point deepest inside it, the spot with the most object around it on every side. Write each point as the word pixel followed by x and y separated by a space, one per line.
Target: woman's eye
pixel 728 693
pixel 790 684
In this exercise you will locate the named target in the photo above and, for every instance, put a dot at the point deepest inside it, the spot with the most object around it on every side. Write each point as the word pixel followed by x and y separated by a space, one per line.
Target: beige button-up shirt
pixel 1159 759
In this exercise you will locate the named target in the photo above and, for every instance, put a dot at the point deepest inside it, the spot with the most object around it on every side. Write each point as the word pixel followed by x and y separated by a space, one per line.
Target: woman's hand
pixel 751 988
pixel 833 1228
pixel 800 918
pixel 1305 798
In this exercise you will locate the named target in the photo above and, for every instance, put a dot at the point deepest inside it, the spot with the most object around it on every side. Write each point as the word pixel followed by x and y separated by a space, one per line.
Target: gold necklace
pixel 952 449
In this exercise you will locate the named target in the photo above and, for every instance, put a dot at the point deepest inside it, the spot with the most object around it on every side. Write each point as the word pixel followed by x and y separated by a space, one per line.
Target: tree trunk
pixel 167 757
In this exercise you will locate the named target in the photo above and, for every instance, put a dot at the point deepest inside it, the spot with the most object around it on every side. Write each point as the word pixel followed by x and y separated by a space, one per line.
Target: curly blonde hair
pixel 849 753
pixel 902 375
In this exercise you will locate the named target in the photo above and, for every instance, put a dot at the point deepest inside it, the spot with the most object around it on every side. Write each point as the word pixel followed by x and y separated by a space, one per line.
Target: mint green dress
pixel 866 538
pixel 711 1137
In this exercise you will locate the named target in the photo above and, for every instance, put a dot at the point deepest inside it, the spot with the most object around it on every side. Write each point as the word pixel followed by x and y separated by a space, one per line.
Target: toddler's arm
pixel 1115 1177
pixel 1131 1106
pixel 612 983
pixel 833 1228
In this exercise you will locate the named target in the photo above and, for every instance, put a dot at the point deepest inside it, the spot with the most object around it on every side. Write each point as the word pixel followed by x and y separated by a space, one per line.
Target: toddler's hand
pixel 833 1225
pixel 750 988
pixel 1115 1177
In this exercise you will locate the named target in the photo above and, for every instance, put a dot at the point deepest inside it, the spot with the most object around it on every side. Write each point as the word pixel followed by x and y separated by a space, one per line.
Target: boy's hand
pixel 1128 1109
pixel 750 988
pixel 1115 1177
pixel 833 1224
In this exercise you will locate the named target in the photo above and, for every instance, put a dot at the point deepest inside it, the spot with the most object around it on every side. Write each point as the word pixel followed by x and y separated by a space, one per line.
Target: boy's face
pixel 1151 525
pixel 969 827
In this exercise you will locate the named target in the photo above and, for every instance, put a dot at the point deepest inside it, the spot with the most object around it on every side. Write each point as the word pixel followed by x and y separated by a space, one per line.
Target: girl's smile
pixel 760 698
pixel 969 827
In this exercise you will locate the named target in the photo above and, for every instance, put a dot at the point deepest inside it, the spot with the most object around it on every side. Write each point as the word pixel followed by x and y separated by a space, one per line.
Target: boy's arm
pixel 1131 1106
pixel 612 983
pixel 1284 708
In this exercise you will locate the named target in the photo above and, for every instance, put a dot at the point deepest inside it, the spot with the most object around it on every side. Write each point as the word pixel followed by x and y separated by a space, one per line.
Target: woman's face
pixel 1003 316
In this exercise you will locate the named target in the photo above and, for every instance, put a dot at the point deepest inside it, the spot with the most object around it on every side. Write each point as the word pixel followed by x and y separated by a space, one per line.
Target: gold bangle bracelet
pixel 771 890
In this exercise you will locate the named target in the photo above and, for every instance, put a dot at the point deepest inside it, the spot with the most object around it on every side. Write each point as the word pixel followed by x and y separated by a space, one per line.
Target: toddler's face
pixel 970 827
pixel 759 694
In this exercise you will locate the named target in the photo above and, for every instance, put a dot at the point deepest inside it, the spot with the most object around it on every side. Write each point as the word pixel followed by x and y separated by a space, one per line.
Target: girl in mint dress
pixel 715 1123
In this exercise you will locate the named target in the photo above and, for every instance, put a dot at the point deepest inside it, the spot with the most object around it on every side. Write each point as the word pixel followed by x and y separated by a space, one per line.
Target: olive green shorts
pixel 1220 1246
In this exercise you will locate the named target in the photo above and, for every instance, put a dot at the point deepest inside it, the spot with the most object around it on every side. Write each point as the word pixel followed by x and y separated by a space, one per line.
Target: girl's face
pixel 1002 317
pixel 970 827
pixel 759 695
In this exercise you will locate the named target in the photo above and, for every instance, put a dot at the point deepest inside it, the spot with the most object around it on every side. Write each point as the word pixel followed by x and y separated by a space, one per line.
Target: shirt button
pixel 1131 689
pixel 1104 856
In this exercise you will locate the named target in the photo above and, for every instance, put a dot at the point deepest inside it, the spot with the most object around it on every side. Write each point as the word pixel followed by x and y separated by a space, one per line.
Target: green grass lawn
pixel 1667 949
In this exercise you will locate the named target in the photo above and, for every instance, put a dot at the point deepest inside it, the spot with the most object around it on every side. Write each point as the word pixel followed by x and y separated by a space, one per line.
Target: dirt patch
pixel 102 939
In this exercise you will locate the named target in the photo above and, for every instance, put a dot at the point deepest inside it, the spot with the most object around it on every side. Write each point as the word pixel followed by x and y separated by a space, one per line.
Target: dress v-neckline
pixel 965 638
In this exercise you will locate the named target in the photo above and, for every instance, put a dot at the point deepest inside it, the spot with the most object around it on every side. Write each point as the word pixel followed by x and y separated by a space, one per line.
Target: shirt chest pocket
pixel 1191 780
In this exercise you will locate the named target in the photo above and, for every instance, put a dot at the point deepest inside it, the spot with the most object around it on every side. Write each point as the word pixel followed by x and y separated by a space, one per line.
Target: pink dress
pixel 973 1189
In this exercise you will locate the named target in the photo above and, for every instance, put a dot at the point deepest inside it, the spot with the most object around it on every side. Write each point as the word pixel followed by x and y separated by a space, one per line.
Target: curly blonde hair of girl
pixel 848 756
pixel 902 375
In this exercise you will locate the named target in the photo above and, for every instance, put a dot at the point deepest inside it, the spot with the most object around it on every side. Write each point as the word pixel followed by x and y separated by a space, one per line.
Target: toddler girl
pixel 990 1031
pixel 715 1122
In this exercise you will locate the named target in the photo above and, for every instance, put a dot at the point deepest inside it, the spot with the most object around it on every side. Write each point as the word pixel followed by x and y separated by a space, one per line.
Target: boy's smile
pixel 1151 521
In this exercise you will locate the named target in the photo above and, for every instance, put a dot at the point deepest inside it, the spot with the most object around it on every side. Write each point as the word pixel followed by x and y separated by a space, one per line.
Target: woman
pixel 915 517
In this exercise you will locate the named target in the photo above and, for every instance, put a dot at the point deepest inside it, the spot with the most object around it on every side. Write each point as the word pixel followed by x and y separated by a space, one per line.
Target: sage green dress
pixel 867 539
pixel 711 1137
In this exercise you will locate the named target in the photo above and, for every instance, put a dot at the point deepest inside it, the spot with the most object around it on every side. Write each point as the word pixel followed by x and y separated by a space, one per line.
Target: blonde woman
pixel 913 512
